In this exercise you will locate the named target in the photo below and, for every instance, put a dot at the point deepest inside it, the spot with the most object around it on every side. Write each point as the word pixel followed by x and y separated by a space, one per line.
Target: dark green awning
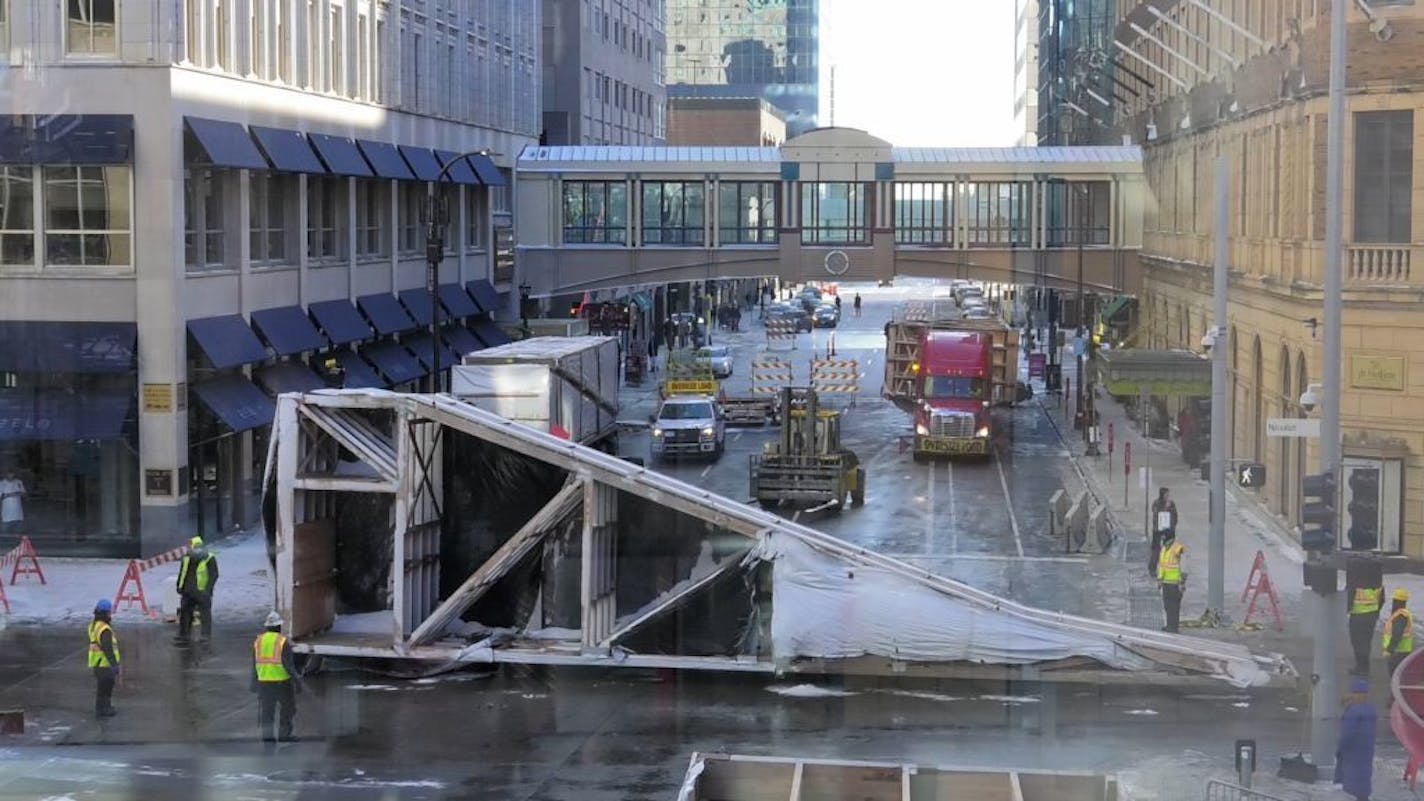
pixel 1114 307
pixel 1157 372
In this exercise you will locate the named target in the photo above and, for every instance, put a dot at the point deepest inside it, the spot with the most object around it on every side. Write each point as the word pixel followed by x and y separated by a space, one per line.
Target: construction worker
pixel 1365 605
pixel 1398 639
pixel 103 658
pixel 197 576
pixel 274 679
pixel 1169 575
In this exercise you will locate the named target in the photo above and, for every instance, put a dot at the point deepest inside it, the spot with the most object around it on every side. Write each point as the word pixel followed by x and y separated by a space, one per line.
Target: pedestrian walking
pixel 855 304
pixel 1365 605
pixel 103 658
pixel 838 305
pixel 274 679
pixel 1398 640
pixel 1169 575
pixel 197 577
pixel 12 509
pixel 1355 754
pixel 1164 519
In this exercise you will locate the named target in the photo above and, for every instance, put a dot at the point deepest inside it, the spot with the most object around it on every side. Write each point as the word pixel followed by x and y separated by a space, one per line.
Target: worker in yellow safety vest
pixel 1398 640
pixel 1365 605
pixel 197 578
pixel 103 658
pixel 1169 575
pixel 274 679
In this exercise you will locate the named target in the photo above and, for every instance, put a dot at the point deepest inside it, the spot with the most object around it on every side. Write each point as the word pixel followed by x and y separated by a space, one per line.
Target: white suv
pixel 689 425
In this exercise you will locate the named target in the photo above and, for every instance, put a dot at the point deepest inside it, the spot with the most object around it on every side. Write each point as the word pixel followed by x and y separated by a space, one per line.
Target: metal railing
pixel 1217 790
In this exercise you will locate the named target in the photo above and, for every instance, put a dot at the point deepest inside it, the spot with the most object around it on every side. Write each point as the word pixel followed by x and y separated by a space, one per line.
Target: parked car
pixel 978 313
pixel 826 316
pixel 718 357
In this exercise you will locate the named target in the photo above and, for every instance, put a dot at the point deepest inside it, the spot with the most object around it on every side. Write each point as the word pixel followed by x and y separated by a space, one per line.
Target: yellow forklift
pixel 806 464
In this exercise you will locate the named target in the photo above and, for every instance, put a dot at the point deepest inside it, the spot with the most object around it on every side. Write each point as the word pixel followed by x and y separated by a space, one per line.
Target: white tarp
pixel 827 608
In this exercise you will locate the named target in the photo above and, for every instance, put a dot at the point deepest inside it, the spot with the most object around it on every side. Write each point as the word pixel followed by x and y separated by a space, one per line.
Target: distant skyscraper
pixel 1026 71
pixel 1075 71
pixel 603 65
pixel 748 48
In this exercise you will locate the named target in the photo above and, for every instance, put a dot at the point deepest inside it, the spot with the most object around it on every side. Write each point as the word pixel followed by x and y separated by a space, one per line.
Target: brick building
pixel 1254 89
pixel 730 122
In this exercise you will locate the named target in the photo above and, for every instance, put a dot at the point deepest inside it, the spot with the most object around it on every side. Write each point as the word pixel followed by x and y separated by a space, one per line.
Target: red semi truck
pixel 947 374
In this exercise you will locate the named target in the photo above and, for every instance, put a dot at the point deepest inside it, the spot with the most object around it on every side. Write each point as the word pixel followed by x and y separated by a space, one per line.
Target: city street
pixel 185 727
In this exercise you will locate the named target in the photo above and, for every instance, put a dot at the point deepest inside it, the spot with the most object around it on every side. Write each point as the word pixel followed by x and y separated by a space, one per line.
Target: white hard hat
pixel 274 618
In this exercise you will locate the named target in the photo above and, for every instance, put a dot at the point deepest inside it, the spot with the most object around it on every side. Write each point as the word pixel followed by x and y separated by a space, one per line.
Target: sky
pixel 921 73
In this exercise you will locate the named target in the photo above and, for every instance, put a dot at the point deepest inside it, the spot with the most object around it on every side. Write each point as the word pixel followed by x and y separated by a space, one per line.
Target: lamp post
pixel 434 254
pixel 524 291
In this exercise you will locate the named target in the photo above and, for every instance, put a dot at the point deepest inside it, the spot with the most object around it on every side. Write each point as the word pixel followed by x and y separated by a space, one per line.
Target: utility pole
pixel 1216 547
pixel 1326 697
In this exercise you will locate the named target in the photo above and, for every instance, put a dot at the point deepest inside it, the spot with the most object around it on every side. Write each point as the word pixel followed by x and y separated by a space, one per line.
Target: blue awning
pixel 484 295
pixel 458 170
pixel 418 302
pixel 385 313
pixel 289 377
pixel 386 160
pixel 422 162
pixel 359 374
pixel 457 301
pixel 490 334
pixel 288 151
pixel 462 341
pixel 424 349
pixel 66 139
pixel 236 402
pixel 227 341
pixel 34 346
pixel 225 144
pixel 394 362
pixel 54 414
pixel 487 170
pixel 287 329
pixel 340 155
pixel 340 320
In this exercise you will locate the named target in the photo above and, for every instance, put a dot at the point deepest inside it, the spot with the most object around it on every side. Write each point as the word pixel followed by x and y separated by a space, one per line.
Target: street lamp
pixel 434 254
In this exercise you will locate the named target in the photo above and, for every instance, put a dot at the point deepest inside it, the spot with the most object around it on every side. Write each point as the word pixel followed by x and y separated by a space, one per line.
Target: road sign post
pixel 1126 470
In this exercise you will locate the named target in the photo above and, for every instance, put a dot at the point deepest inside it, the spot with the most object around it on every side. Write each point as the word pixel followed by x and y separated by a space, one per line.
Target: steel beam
pixel 672 599
pixel 1145 60
pixel 599 562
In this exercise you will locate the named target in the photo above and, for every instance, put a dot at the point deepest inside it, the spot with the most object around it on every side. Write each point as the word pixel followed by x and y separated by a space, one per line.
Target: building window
pixel 5 24
pixel 747 212
pixel 203 219
pixel 193 30
pixel 363 57
pixel 1384 176
pixel 595 212
pixel 999 213
pixel 222 14
pixel 371 217
pixel 17 216
pixel 412 205
pixel 673 213
pixel 267 217
pixel 1078 213
pixel 924 213
pixel 87 216
pixel 833 212
pixel 325 212
pixel 336 52
pixel 90 27
pixel 476 216
pixel 279 39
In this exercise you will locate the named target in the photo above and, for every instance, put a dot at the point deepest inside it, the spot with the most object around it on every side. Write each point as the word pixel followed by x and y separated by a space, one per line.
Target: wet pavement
pixel 186 728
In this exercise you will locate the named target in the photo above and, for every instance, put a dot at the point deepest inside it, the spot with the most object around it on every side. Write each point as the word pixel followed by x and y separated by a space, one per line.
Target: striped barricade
pixel 781 333
pixel 22 561
pixel 133 575
pixel 835 376
pixel 769 374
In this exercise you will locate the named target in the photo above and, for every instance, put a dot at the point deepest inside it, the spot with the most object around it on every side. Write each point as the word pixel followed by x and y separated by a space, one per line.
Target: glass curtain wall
pixel 834 212
pixel 1000 213
pixel 747 212
pixel 924 213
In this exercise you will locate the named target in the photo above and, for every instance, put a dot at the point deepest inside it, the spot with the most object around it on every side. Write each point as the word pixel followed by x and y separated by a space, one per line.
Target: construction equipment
pixel 807 463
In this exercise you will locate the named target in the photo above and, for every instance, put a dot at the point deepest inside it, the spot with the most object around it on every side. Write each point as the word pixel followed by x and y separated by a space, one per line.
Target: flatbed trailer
pixel 749 410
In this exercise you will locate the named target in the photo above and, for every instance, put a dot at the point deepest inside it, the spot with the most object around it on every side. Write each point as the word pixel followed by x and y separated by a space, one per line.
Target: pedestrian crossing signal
pixel 1251 476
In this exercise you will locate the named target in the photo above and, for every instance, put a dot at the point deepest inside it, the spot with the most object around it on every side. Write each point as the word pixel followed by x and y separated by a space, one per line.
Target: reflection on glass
pixel 17 216
pixel 954 387
pixel 595 212
pixel 86 215
pixel 747 212
pixel 90 27
pixel 833 212
pixel 673 212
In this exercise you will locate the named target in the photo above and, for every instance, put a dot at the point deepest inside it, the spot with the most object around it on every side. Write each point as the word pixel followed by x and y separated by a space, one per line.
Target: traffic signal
pixel 1251 476
pixel 1364 508
pixel 1317 513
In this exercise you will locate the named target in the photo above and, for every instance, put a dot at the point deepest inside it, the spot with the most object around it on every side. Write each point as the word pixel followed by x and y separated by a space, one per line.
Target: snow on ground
pixel 72 586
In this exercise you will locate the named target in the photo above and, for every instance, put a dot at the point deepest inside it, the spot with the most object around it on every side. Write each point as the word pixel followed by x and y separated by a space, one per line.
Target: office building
pixel 603 68
pixel 1077 65
pixel 737 48
pixel 1026 71
pixel 731 121
pixel 207 203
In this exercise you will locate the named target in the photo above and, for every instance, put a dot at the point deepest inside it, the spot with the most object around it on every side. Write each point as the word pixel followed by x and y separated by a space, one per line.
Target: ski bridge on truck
pixel 831 204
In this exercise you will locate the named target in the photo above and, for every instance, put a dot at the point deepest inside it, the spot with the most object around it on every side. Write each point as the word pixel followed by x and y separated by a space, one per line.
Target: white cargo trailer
pixel 547 383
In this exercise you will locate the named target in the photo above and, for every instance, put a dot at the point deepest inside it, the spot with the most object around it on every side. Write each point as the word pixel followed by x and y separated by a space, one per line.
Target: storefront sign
pixel 158 398
pixel 1377 372
pixel 158 483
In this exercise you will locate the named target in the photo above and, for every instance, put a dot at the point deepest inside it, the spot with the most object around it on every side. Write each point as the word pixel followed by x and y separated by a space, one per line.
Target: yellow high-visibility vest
pixel 97 658
pixel 1366 601
pixel 1406 643
pixel 267 649
pixel 1169 564
pixel 202 571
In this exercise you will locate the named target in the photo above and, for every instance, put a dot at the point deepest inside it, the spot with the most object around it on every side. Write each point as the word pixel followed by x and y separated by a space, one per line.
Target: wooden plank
pixel 673 599
pixel 345 484
pixel 907 773
pixel 1015 788
pixel 797 776
pixel 500 563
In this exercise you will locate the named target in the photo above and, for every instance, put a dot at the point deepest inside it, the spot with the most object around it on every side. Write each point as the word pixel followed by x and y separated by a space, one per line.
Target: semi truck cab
pixel 955 392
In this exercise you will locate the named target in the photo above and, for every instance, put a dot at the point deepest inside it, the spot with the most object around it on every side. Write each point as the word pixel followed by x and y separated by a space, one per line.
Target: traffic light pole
pixel 1216 548
pixel 1325 700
